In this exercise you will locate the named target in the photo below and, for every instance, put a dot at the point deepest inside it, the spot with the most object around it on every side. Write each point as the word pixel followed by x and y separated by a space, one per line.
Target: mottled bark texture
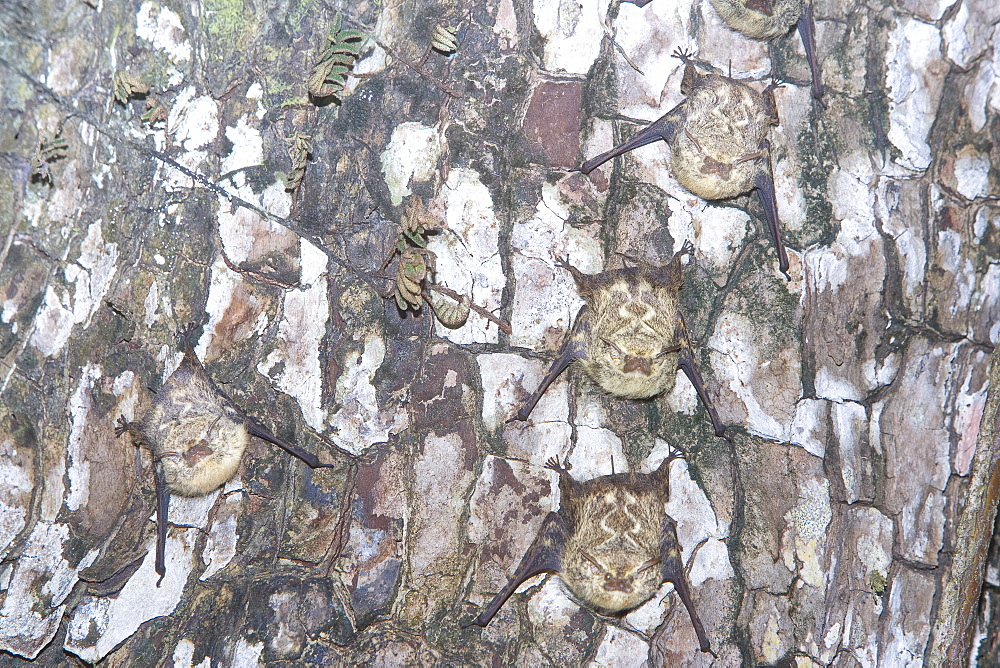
pixel 824 533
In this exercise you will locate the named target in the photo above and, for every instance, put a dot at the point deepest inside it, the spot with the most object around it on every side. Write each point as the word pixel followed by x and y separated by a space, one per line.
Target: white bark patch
pixel 620 648
pixel 545 299
pixel 15 494
pixel 248 147
pixel 439 477
pixel 150 303
pixel 849 422
pixel 80 405
pixel 360 422
pixel 967 35
pixel 502 376
pixel 768 388
pixel 912 594
pixel 807 524
pixel 221 288
pixel 972 172
pixel 193 121
pixel 245 234
pixel 807 430
pixel 683 398
pixel 98 625
pixel 648 35
pixel 184 656
pixel 164 30
pixel 598 450
pixel 967 419
pixel 300 333
pixel 699 530
pixel 62 76
pixel 546 432
pixel 983 94
pixel 246 653
pixel 468 257
pixel 914 78
pixel 573 32
pixel 92 273
pixel 411 155
pixel 53 324
pixel 551 606
pixel 505 26
pixel 42 579
pixel 220 546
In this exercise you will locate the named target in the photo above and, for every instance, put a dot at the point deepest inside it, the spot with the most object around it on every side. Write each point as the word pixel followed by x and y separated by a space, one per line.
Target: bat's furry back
pixel 759 19
pixel 195 435
pixel 718 152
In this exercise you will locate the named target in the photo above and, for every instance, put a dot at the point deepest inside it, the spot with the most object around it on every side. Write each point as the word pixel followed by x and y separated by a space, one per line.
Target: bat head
pixel 610 579
pixel 632 349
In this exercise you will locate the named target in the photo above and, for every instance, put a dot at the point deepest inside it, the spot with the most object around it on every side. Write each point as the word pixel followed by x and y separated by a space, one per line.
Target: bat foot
pixel 560 467
pixel 682 54
pixel 122 426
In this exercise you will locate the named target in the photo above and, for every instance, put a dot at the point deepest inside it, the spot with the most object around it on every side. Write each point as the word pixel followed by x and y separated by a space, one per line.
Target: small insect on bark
pixel 611 543
pixel 718 142
pixel 630 337
pixel 770 19
pixel 197 437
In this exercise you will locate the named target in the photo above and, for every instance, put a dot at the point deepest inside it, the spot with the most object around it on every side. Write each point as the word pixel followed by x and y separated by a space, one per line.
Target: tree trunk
pixel 846 520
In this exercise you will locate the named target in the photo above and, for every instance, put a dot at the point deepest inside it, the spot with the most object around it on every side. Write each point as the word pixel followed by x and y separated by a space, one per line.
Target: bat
pixel 770 19
pixel 611 543
pixel 630 337
pixel 197 437
pixel 718 142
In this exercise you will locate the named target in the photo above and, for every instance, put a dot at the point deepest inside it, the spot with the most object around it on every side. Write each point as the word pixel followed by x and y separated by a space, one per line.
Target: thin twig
pixel 447 292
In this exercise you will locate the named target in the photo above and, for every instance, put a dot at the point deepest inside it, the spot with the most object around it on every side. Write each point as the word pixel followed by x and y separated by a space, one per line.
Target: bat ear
pixel 672 274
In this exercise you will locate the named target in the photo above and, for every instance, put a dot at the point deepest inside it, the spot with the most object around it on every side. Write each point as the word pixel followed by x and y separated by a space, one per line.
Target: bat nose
pixel 618 584
pixel 642 364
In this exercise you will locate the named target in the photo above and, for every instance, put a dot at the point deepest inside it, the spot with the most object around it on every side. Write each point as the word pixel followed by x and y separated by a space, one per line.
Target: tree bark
pixel 845 523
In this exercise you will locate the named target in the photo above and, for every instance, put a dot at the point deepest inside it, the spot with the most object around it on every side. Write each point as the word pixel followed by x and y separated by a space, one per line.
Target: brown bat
pixel 630 337
pixel 718 142
pixel 611 543
pixel 197 437
pixel 770 19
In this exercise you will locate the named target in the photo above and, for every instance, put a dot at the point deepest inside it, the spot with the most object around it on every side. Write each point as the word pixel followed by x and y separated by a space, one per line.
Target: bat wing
pixel 685 361
pixel 544 555
pixel 662 128
pixel 260 432
pixel 574 347
pixel 765 189
pixel 672 570
pixel 807 30
pixel 162 505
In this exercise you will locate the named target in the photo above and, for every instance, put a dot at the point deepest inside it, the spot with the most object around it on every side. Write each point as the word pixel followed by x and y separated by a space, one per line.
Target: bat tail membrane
pixel 544 555
pixel 672 570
